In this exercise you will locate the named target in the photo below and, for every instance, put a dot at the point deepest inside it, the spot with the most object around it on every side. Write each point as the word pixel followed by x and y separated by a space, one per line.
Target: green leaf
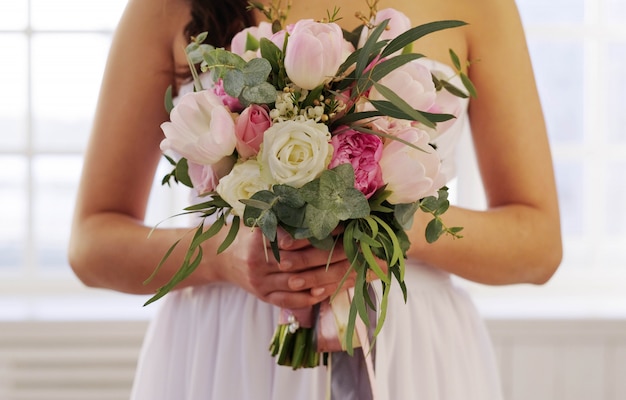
pixel 371 262
pixel 383 310
pixel 392 110
pixel 468 85
pixel 434 229
pixel 271 53
pixel 256 71
pixel 264 93
pixel 453 89
pixel 369 48
pixel 268 223
pixel 234 82
pixel 353 36
pixel 353 57
pixel 168 101
pixel 182 172
pixel 252 43
pixel 288 215
pixel 232 234
pixel 221 61
pixel 346 173
pixel 383 68
pixel 404 213
pixel 321 223
pixel 455 60
pixel 417 32
pixel 402 105
pixel 288 195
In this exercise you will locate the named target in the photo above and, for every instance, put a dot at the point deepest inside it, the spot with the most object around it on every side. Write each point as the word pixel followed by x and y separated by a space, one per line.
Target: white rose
pixel 295 152
pixel 242 182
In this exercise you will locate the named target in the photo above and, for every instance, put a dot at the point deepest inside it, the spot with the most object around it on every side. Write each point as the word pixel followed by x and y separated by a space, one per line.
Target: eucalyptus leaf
pixel 434 229
pixel 404 213
pixel 256 71
pixel 346 172
pixel 222 61
pixel 234 82
pixel 288 195
pixel 321 223
pixel 268 223
pixel 292 216
pixel 265 93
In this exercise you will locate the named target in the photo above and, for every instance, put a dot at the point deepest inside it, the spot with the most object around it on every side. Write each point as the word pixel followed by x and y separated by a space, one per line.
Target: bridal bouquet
pixel 316 131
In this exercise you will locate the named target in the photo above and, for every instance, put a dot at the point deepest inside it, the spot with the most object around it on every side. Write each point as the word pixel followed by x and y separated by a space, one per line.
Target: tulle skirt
pixel 211 342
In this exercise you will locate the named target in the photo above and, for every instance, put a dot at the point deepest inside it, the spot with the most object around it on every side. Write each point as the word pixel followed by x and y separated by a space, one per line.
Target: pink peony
pixel 363 151
pixel 206 177
pixel 412 82
pixel 249 129
pixel 398 24
pixel 411 174
pixel 201 129
pixel 229 101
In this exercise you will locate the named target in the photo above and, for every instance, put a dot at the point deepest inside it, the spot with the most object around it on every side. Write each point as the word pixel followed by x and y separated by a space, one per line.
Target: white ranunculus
pixel 295 152
pixel 242 182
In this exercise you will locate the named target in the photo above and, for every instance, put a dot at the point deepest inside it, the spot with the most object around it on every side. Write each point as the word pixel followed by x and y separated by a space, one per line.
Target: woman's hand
pixel 301 279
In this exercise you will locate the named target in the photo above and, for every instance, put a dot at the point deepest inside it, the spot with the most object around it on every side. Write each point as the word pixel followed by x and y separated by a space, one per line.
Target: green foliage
pixel 180 173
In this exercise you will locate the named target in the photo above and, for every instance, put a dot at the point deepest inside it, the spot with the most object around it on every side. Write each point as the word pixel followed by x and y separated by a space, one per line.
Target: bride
pixel 209 339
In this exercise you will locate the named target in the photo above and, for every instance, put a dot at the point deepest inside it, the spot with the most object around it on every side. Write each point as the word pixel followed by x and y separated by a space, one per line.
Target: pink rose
pixel 363 151
pixel 206 177
pixel 411 174
pixel 201 129
pixel 229 101
pixel 249 129
pixel 314 52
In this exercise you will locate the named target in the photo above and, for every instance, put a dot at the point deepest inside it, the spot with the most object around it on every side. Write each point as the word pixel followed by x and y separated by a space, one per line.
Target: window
pixel 54 55
pixel 578 49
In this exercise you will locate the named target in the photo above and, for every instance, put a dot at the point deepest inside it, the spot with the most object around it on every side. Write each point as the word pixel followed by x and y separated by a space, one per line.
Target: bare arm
pixel 518 238
pixel 109 245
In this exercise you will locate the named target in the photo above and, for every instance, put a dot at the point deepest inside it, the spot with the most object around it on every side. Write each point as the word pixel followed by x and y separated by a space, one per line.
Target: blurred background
pixel 59 340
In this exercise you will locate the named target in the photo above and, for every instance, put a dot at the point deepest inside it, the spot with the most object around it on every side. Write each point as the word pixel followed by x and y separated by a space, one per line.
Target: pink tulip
pixel 249 129
pixel 206 177
pixel 363 152
pixel 314 52
pixel 201 129
pixel 238 43
pixel 398 23
pixel 411 174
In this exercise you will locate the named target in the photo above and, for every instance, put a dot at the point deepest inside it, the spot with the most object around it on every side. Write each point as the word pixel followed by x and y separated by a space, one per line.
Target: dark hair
pixel 222 19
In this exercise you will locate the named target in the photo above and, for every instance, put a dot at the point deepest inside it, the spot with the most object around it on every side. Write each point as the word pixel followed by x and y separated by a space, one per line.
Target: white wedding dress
pixel 211 342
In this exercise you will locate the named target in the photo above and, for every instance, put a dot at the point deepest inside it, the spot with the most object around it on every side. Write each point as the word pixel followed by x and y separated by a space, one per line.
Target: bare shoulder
pixel 155 28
